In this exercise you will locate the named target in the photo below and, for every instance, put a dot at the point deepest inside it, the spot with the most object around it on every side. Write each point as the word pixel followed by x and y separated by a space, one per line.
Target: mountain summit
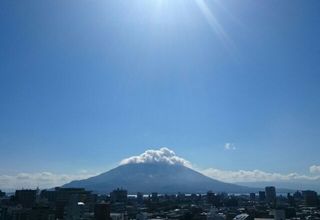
pixel 155 177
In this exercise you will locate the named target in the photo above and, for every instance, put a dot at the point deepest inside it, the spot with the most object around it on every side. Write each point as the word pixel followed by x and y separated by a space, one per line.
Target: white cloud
pixel 229 146
pixel 40 179
pixel 163 155
pixel 253 176
pixel 314 169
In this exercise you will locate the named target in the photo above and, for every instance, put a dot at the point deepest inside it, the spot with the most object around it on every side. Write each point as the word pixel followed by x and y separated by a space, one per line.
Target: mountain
pixel 156 177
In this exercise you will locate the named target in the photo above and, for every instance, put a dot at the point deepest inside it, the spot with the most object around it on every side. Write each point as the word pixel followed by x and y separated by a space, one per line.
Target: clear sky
pixel 225 84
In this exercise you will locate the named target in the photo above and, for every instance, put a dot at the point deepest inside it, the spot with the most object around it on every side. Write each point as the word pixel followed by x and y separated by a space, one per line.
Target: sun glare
pixel 167 10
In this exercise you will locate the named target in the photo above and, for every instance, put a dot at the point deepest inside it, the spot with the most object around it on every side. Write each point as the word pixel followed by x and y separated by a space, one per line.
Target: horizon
pixel 165 156
pixel 228 89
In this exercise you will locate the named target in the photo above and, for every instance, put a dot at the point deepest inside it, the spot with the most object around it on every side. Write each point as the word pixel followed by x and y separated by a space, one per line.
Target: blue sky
pixel 84 84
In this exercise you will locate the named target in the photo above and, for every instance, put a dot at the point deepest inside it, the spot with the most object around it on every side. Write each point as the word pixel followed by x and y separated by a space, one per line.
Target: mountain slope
pixel 153 177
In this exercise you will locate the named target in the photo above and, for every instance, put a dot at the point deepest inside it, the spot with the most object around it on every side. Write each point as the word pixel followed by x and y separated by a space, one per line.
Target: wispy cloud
pixel 230 146
pixel 254 176
pixel 40 179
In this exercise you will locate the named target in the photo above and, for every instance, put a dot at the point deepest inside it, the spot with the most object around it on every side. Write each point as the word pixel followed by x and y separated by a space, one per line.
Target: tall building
pixel 213 214
pixel 271 195
pixel 291 200
pixel 154 197
pixel 139 197
pixel 298 195
pixel 62 197
pixel 262 196
pixel 102 211
pixel 278 214
pixel 119 195
pixel 26 197
pixel 50 195
pixel 210 196
pixel 74 209
pixel 42 213
pixel 310 198
pixel 142 216
pixel 252 196
pixel 2 194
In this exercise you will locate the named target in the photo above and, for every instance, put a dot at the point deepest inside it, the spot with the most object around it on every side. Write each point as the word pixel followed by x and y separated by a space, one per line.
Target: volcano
pixel 156 177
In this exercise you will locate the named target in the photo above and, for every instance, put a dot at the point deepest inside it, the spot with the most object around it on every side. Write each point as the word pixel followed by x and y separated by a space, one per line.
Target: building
pixel 278 214
pixel 50 195
pixel 262 196
pixel 214 215
pixel 19 213
pixel 42 213
pixel 310 198
pixel 119 195
pixel 243 216
pixel 117 216
pixel 291 200
pixel 139 197
pixel 63 197
pixel 297 195
pixel 102 211
pixel 2 194
pixel 271 195
pixel 210 196
pixel 142 216
pixel 252 196
pixel 26 197
pixel 74 209
pixel 154 197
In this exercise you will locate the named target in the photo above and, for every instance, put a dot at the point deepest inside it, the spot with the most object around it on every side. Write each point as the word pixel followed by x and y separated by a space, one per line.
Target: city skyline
pixel 230 87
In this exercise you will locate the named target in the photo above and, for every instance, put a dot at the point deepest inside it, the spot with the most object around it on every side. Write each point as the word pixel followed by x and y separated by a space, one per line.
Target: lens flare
pixel 215 25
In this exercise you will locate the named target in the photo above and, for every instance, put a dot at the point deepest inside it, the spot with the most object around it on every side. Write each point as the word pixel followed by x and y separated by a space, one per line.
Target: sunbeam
pixel 215 25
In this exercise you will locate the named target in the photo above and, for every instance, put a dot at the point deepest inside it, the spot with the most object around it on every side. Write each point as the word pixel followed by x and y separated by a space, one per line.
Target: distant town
pixel 80 204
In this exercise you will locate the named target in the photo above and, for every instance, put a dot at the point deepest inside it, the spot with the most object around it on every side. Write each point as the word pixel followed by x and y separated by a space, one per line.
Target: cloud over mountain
pixel 163 155
pixel 166 156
